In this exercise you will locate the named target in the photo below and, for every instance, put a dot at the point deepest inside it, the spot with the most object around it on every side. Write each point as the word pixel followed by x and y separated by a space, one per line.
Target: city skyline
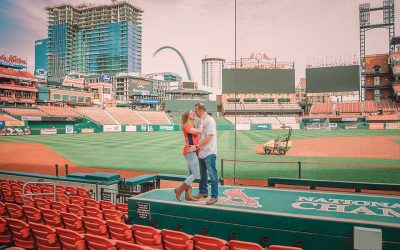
pixel 303 31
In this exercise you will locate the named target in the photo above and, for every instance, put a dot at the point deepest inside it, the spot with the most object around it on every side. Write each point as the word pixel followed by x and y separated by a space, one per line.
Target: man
pixel 207 155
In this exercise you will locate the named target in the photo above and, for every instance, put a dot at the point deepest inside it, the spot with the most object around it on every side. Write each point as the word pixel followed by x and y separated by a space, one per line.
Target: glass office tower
pixel 94 39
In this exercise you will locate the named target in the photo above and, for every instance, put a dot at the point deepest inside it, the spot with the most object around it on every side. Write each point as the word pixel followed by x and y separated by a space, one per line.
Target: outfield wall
pixel 88 127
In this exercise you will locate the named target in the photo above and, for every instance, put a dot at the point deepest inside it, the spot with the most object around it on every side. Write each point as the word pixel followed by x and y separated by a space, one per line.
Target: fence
pixel 247 172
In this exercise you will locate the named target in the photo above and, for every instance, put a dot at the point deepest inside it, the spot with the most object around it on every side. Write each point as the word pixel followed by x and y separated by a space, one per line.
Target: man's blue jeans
pixel 207 165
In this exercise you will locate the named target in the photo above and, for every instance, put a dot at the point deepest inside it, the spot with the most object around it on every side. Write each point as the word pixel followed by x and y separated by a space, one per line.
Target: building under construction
pixel 93 39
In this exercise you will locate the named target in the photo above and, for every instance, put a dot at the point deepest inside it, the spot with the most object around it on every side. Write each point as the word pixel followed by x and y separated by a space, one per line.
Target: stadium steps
pixel 112 117
pixel 142 117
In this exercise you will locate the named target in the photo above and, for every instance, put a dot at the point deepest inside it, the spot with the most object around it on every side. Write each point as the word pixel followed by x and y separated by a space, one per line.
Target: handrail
pixel 37 194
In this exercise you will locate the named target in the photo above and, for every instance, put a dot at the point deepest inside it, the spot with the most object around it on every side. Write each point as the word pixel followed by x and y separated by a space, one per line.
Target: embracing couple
pixel 200 152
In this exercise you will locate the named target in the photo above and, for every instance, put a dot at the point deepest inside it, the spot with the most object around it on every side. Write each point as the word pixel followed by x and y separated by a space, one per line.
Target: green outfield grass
pixel 162 152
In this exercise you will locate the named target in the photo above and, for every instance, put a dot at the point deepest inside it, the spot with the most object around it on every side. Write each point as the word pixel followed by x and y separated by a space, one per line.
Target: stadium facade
pixel 93 39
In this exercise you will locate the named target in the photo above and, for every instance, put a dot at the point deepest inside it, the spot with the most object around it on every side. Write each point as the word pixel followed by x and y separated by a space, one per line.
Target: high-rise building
pixel 41 66
pixel 212 73
pixel 94 39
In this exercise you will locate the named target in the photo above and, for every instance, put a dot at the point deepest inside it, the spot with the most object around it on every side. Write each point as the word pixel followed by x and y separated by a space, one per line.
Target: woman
pixel 190 133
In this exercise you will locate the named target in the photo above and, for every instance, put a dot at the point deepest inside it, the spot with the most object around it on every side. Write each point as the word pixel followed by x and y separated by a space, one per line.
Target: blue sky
pixel 290 30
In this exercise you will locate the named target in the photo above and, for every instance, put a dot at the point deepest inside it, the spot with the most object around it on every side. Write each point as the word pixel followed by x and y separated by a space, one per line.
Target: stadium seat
pixel 5 234
pixel 60 190
pixel 276 247
pixel 147 236
pixel 8 195
pixel 63 198
pixel 120 231
pixel 113 215
pixel 83 193
pixel 122 245
pixel 52 218
pixel 72 222
pixel 18 196
pixel 15 211
pixel 123 207
pixel 202 242
pixel 58 206
pixel 95 242
pixel 33 214
pixel 70 239
pixel 3 210
pixel 48 190
pixel 93 212
pixel 42 203
pixel 45 237
pixel 71 191
pixel 76 200
pixel 243 245
pixel 28 201
pixel 92 203
pixel 107 205
pixel 75 209
pixel 95 226
pixel 21 234
pixel 174 240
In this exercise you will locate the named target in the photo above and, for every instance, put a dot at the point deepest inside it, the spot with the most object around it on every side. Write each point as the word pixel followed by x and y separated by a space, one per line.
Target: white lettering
pixel 379 204
pixel 362 210
pixel 302 198
pixel 333 208
pixel 361 203
pixel 321 200
pixel 389 212
pixel 298 205
pixel 396 205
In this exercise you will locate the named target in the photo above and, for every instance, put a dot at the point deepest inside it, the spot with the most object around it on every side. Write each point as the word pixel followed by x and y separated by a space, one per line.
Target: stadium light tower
pixel 365 25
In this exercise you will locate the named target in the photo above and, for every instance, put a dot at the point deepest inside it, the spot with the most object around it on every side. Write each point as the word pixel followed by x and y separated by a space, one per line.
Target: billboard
pixel 141 88
pixel 258 81
pixel 333 79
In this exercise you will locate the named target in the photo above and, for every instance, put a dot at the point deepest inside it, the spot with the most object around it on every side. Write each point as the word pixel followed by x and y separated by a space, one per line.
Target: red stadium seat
pixel 120 231
pixel 60 190
pixel 76 200
pixel 243 245
pixel 48 190
pixel 45 236
pixel 58 206
pixel 83 193
pixel 95 242
pixel 52 218
pixel 33 214
pixel 95 226
pixel 202 242
pixel 42 203
pixel 21 234
pixel 122 245
pixel 15 211
pixel 147 236
pixel 276 247
pixel 93 212
pixel 18 196
pixel 75 209
pixel 5 234
pixel 123 207
pixel 92 203
pixel 107 205
pixel 63 198
pixel 3 210
pixel 72 222
pixel 28 201
pixel 8 195
pixel 71 191
pixel 113 215
pixel 174 240
pixel 70 240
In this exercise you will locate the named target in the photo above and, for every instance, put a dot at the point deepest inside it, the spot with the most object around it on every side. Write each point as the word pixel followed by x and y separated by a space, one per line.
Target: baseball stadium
pixel 92 162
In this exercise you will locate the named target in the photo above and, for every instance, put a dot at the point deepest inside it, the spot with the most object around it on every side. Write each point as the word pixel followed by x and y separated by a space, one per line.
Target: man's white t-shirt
pixel 210 128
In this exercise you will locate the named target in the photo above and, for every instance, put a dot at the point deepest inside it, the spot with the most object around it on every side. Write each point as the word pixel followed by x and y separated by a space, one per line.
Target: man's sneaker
pixel 199 196
pixel 212 201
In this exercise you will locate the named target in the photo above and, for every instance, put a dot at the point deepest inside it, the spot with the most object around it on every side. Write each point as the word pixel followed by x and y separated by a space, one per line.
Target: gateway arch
pixel 180 55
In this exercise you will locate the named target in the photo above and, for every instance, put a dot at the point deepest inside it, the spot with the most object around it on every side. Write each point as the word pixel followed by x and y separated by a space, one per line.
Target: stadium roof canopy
pixel 21 75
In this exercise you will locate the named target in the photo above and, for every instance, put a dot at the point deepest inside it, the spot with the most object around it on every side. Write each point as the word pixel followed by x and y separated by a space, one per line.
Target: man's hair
pixel 201 106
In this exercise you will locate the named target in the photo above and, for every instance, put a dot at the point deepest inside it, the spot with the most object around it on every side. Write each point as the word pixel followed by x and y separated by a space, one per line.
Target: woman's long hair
pixel 185 117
